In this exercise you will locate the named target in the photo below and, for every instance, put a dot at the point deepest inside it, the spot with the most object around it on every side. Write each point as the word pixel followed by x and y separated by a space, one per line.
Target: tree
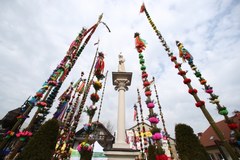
pixel 41 146
pixel 188 144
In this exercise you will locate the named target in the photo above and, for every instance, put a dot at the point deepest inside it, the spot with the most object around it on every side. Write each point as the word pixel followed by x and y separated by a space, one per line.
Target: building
pixel 134 140
pixel 101 135
pixel 212 144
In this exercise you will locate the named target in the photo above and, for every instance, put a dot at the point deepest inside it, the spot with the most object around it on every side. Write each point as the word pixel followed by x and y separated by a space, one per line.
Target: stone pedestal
pixel 121 150
pixel 121 154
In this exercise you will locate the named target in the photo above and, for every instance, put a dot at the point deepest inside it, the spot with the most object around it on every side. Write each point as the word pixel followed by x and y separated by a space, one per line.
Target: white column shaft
pixel 121 137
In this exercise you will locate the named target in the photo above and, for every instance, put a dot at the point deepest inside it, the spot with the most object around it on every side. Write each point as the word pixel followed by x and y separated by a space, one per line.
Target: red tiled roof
pixel 208 136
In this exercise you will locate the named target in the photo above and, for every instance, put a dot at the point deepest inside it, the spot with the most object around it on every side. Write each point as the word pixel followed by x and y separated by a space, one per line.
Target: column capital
pixel 121 84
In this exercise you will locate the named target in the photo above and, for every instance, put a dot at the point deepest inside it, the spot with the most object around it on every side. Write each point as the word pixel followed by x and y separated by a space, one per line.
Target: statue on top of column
pixel 121 67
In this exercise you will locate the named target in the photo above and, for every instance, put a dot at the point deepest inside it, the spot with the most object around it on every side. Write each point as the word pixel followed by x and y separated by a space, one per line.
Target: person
pixel 121 67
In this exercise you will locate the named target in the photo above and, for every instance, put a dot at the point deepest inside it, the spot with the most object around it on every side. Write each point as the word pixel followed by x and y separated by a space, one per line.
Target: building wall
pixel 136 144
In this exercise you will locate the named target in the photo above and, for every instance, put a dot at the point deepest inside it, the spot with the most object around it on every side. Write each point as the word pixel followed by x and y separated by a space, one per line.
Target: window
pixel 219 155
pixel 212 157
pixel 211 138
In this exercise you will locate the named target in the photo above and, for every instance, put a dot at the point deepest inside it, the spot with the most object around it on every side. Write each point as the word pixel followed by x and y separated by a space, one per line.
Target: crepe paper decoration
pixel 142 9
pixel 178 65
pixel 23 135
pixel 198 74
pixel 64 102
pixel 183 53
pixel 99 67
pixel 192 91
pixel 91 110
pixel 233 126
pixel 84 147
pixel 97 85
pixel 148 93
pixel 144 75
pixel 9 134
pixel 181 73
pixel 94 97
pixel 186 80
pixel 203 81
pixel 153 120
pixel 22 117
pixel 161 157
pixel 52 83
pixel 146 83
pixel 214 101
pixel 41 104
pixel 150 105
pixel 223 111
pixel 39 95
pixel 173 58
pixel 139 43
pixel 157 136
pixel 200 104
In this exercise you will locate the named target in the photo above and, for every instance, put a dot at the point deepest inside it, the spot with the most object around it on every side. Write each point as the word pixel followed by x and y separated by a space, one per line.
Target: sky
pixel 35 36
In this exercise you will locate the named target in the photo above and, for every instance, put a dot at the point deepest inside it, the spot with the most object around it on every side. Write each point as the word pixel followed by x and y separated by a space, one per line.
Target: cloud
pixel 34 37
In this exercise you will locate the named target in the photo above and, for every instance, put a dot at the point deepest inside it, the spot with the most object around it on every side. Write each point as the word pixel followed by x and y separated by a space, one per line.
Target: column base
pixel 121 145
pixel 121 154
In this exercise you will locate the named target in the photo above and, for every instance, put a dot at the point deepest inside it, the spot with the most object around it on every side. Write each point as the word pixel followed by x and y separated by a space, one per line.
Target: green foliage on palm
pixel 41 146
pixel 151 152
pixel 188 144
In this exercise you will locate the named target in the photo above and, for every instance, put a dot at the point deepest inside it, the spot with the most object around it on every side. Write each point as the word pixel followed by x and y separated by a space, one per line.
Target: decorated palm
pixel 199 103
pixel 152 117
pixel 222 110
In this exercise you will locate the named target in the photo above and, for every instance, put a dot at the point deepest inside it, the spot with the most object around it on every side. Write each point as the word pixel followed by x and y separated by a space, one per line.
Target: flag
pixel 140 44
pixel 96 43
pixel 135 113
pixel 142 9
pixel 81 87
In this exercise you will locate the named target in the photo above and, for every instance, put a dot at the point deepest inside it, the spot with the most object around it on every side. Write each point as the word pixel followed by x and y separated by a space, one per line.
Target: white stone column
pixel 121 150
pixel 121 87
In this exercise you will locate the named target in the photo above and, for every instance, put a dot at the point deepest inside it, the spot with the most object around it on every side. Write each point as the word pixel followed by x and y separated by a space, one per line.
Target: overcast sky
pixel 35 35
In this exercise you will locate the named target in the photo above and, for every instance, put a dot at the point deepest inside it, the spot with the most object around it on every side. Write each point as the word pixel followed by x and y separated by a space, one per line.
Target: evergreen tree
pixel 188 144
pixel 41 146
pixel 151 152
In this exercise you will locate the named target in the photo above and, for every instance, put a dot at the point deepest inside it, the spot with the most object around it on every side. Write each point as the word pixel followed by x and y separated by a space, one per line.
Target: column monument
pixel 121 150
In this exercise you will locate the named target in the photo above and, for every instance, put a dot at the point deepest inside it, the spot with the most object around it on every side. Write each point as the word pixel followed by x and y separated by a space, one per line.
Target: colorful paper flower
pixel 144 75
pixel 94 97
pixel 173 58
pixel 186 80
pixel 156 136
pixel 192 91
pixel 233 126
pixel 97 85
pixel 9 134
pixel 203 81
pixel 41 104
pixel 153 120
pixel 200 103
pixel 181 73
pixel 84 147
pixel 23 135
pixel 150 105
pixel 52 83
